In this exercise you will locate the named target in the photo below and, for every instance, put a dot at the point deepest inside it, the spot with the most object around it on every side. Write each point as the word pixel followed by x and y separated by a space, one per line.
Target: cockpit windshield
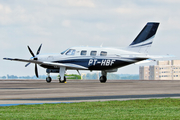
pixel 71 52
pixel 64 51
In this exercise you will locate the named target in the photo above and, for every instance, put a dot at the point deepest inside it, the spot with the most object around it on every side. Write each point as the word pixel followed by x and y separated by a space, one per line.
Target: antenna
pixel 101 45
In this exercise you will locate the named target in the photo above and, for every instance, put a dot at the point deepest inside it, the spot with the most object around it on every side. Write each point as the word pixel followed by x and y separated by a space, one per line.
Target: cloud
pixel 104 27
pixel 5 11
pixel 133 9
pixel 124 10
pixel 66 23
pixel 60 24
pixel 156 12
pixel 167 1
pixel 13 15
pixel 37 30
pixel 81 3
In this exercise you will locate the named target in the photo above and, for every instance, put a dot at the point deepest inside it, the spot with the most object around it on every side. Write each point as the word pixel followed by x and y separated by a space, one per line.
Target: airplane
pixel 104 59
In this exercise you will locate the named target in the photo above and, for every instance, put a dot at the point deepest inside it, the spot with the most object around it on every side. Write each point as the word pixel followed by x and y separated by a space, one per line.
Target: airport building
pixel 164 70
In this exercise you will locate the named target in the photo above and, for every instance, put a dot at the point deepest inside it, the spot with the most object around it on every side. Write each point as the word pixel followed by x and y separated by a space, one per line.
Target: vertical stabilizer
pixel 144 40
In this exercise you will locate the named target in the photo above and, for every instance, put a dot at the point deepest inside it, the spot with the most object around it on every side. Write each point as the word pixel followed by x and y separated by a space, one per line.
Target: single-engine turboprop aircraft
pixel 104 59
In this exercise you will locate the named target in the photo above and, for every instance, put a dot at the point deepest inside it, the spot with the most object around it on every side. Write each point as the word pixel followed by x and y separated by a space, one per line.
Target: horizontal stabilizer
pixel 145 61
pixel 153 58
pixel 161 56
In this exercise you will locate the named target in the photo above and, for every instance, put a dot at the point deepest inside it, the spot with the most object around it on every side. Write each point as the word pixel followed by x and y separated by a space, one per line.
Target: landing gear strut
pixel 62 78
pixel 103 78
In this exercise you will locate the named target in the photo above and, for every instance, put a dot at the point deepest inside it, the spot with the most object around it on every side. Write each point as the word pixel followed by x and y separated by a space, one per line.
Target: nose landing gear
pixel 62 78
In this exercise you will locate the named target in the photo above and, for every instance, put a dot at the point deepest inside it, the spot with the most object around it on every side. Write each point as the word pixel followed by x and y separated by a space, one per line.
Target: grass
pixel 163 109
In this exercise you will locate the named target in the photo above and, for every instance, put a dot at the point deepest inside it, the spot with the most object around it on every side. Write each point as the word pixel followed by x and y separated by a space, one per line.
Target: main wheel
pixel 48 79
pixel 62 81
pixel 103 79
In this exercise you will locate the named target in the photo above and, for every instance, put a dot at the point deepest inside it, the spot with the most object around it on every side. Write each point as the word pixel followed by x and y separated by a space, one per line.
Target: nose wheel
pixel 48 79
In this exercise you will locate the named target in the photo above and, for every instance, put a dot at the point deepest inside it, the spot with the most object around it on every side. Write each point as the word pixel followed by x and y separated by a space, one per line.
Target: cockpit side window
pixel 103 53
pixel 71 52
pixel 93 53
pixel 83 52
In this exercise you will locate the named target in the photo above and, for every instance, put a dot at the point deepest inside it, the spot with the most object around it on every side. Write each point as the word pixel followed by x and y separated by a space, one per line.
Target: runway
pixel 38 91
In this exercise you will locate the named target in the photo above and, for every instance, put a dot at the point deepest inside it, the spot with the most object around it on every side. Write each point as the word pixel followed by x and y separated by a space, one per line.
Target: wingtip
pixel 8 59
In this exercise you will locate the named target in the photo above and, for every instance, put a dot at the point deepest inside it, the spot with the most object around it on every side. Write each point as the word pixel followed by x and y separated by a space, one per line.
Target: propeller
pixel 36 71
pixel 34 58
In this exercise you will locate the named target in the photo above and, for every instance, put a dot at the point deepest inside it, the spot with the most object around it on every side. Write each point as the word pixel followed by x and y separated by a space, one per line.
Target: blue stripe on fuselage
pixel 98 64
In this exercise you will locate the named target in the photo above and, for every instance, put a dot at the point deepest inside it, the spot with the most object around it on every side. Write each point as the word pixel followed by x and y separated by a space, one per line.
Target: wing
pixel 161 56
pixel 68 65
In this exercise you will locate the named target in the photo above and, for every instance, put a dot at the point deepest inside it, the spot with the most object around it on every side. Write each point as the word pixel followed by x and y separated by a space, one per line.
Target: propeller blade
pixel 27 64
pixel 36 71
pixel 39 50
pixel 31 51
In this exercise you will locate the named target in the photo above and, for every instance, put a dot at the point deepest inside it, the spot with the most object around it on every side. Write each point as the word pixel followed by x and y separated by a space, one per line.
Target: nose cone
pixel 34 58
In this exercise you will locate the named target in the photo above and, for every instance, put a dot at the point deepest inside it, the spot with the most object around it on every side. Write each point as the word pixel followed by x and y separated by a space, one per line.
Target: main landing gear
pixel 62 78
pixel 62 81
pixel 103 77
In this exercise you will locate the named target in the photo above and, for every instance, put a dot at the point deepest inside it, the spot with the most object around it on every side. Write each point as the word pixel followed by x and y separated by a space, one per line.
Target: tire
pixel 62 81
pixel 48 79
pixel 103 79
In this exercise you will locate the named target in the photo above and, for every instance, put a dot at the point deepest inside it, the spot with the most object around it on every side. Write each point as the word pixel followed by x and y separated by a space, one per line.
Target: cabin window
pixel 83 52
pixel 103 53
pixel 71 52
pixel 93 53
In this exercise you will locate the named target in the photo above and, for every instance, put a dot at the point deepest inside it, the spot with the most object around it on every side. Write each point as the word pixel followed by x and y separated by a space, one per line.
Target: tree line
pixel 88 76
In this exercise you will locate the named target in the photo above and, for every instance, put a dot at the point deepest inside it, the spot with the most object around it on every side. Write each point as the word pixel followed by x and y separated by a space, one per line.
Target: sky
pixel 60 24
